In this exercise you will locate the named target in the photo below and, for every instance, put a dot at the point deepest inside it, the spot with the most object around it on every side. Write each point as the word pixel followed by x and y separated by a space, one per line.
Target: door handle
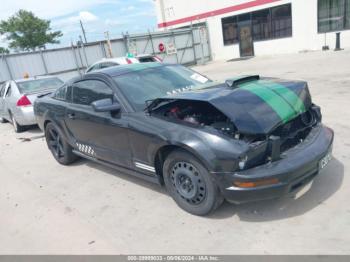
pixel 71 116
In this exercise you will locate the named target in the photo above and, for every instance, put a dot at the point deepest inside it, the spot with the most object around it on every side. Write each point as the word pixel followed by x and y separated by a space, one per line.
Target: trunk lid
pixel 32 96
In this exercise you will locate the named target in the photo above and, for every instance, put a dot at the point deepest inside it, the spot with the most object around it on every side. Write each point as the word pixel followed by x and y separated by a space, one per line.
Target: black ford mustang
pixel 247 139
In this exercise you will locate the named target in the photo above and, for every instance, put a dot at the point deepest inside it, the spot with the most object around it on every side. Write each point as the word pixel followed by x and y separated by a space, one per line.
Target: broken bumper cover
pixel 296 168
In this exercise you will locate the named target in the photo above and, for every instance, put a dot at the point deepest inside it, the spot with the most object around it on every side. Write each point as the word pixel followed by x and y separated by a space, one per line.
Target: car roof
pixel 144 55
pixel 125 69
pixel 118 60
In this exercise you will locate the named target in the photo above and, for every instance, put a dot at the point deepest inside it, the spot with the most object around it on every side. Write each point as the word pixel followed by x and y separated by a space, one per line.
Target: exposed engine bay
pixel 269 146
pixel 197 113
pixel 204 114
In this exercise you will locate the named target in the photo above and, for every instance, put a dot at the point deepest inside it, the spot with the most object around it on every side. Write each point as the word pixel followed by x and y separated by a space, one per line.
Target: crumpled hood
pixel 255 107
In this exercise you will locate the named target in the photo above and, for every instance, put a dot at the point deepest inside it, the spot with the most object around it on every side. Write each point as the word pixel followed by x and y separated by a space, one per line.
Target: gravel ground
pixel 90 209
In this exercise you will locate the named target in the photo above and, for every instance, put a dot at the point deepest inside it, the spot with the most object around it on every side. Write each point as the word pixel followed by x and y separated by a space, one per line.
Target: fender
pixel 216 152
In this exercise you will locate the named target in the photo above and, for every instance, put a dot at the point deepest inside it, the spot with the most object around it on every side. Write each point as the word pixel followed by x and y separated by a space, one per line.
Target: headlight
pixel 242 162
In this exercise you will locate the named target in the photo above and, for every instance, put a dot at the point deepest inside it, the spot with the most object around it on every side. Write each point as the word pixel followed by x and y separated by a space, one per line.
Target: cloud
pixel 129 8
pixel 3 41
pixel 114 22
pixel 84 16
pixel 147 1
pixel 150 13
pixel 98 16
pixel 49 9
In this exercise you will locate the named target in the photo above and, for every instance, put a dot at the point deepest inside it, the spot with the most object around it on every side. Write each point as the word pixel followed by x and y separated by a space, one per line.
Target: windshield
pixel 37 85
pixel 155 82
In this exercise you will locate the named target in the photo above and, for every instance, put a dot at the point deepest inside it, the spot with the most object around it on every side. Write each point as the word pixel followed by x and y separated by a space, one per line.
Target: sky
pixel 98 16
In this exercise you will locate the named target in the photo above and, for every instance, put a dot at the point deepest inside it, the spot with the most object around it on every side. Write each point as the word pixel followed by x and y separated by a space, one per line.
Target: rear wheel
pixel 190 184
pixel 17 127
pixel 59 148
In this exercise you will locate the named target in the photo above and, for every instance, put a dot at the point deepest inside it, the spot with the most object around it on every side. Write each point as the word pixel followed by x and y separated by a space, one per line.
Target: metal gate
pixel 185 46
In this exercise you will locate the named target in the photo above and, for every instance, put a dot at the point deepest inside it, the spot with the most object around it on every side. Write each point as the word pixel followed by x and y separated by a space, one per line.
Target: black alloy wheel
pixel 55 143
pixel 59 148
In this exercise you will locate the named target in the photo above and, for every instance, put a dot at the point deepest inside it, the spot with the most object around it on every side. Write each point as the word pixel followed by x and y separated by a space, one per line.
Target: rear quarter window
pixel 108 64
pixel 61 93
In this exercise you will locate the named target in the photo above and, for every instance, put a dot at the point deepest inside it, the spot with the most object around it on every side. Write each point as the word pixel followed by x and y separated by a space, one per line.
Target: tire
pixel 17 127
pixel 60 149
pixel 190 184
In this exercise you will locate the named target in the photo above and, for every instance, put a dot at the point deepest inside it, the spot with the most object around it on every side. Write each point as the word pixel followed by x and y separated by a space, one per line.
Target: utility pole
pixel 82 45
pixel 83 30
pixel 109 45
pixel 162 12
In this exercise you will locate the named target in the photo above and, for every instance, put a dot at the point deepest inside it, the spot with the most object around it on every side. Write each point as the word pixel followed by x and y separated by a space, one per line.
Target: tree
pixel 25 31
pixel 4 50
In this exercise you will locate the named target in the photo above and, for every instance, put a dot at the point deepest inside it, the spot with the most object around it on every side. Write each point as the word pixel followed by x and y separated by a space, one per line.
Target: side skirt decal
pixel 145 167
pixel 86 149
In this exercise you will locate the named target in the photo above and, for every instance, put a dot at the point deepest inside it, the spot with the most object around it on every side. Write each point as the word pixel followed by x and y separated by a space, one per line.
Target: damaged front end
pixel 275 143
pixel 269 116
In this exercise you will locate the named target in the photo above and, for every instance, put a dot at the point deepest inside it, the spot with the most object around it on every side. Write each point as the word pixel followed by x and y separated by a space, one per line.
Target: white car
pixel 145 58
pixel 108 62
pixel 17 98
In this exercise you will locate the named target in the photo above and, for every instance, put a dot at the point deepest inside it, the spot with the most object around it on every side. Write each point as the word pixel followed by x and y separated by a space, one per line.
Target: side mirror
pixel 106 105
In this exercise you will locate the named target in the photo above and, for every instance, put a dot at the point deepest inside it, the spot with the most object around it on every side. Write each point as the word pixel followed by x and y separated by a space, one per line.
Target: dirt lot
pixel 87 208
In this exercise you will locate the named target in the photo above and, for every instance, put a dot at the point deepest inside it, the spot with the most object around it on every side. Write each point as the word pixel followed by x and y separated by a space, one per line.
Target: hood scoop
pixel 234 82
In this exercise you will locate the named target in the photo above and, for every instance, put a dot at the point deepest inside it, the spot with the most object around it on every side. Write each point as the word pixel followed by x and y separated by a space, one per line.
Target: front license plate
pixel 303 191
pixel 325 160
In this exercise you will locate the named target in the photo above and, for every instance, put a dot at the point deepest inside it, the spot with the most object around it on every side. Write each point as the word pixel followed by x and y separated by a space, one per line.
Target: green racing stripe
pixel 282 100
pixel 289 96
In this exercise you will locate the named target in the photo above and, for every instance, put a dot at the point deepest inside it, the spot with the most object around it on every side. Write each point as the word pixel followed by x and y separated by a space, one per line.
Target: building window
pixel 270 23
pixel 261 22
pixel 333 15
pixel 281 21
pixel 229 29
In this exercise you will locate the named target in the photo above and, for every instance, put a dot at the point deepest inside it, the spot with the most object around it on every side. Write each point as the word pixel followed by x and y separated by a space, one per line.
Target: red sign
pixel 161 47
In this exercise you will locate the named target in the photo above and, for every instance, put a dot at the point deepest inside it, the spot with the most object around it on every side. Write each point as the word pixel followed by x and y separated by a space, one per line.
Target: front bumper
pixel 296 168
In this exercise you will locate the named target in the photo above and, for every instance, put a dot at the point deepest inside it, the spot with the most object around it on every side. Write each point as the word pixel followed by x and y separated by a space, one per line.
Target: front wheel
pixel 190 184
pixel 59 148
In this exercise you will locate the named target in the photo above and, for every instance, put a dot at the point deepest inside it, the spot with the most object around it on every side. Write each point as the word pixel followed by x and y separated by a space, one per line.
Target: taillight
pixel 128 61
pixel 23 101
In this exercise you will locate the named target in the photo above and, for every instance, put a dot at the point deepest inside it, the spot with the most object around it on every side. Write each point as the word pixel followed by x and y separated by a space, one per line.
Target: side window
pixel 60 93
pixel 95 67
pixel 108 64
pixel 146 59
pixel 88 91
